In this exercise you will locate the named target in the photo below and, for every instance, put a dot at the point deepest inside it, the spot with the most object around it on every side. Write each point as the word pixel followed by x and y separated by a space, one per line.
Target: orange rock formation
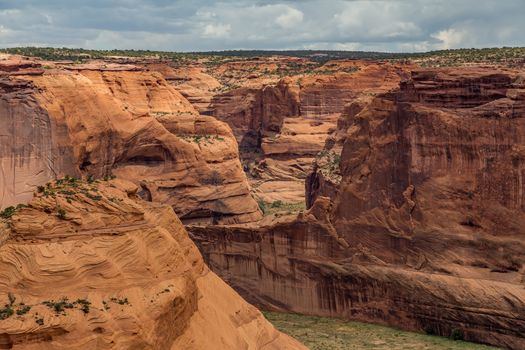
pixel 88 265
pixel 281 123
pixel 99 119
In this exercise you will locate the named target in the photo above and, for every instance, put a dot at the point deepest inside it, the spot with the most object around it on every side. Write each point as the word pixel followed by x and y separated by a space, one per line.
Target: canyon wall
pixel 29 150
pixel 282 123
pixel 89 265
pixel 418 224
pixel 103 119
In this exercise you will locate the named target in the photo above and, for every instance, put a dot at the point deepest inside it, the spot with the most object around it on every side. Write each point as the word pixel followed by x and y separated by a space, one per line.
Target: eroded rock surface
pixel 89 265
pixel 282 123
pixel 102 119
pixel 420 224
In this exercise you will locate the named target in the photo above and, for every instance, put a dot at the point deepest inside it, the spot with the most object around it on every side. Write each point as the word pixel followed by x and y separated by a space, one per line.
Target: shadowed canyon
pixel 387 191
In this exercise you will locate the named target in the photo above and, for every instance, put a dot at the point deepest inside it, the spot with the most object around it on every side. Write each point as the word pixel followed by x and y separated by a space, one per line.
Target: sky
pixel 205 25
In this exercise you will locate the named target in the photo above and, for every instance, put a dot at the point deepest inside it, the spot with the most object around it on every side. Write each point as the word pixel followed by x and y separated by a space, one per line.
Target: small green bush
pixel 24 309
pixel 6 312
pixel 59 306
pixel 7 213
pixel 124 301
pixel 61 214
pixel 262 206
pixel 84 305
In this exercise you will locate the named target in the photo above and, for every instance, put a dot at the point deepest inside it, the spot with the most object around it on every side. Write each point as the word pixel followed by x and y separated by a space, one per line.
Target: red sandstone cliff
pixel 100 119
pixel 421 223
pixel 281 124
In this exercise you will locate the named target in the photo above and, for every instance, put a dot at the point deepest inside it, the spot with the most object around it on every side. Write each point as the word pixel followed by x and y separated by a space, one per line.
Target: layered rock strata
pixel 88 265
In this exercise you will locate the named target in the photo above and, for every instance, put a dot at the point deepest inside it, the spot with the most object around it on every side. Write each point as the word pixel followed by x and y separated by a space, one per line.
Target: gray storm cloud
pixel 199 25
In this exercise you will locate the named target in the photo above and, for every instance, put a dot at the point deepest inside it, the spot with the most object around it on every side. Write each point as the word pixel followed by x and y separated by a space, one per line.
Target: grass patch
pixel 320 333
pixel 280 207
pixel 61 214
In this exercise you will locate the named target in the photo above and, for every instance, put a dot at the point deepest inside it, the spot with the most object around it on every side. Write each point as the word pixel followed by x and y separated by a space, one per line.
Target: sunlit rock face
pixel 90 265
pixel 103 119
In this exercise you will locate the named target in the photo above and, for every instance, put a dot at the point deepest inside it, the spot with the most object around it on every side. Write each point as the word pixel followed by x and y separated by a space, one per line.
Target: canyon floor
pixel 321 333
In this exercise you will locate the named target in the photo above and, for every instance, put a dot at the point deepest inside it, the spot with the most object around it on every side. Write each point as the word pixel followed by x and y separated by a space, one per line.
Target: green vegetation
pixel 320 333
pixel 329 163
pixel 61 214
pixel 69 188
pixel 84 305
pixel 225 87
pixel 81 55
pixel 120 301
pixel 318 68
pixel 24 309
pixel 280 207
pixel 60 306
pixel 513 56
pixel 9 309
pixel 206 139
pixel 262 206
pixel 8 212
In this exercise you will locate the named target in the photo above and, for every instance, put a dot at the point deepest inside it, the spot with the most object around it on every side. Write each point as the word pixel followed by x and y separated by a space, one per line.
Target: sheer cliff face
pixel 29 153
pixel 444 154
pixel 421 225
pixel 99 120
pixel 88 265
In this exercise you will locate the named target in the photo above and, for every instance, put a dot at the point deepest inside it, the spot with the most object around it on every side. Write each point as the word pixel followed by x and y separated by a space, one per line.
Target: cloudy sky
pixel 199 25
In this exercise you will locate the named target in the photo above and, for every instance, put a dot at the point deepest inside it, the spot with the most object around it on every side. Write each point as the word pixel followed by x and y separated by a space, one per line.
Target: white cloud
pixel 375 20
pixel 450 38
pixel 380 25
pixel 217 31
pixel 291 18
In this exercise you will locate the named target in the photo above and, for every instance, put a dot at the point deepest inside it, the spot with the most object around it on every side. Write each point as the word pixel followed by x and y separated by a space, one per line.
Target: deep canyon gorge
pixel 382 191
